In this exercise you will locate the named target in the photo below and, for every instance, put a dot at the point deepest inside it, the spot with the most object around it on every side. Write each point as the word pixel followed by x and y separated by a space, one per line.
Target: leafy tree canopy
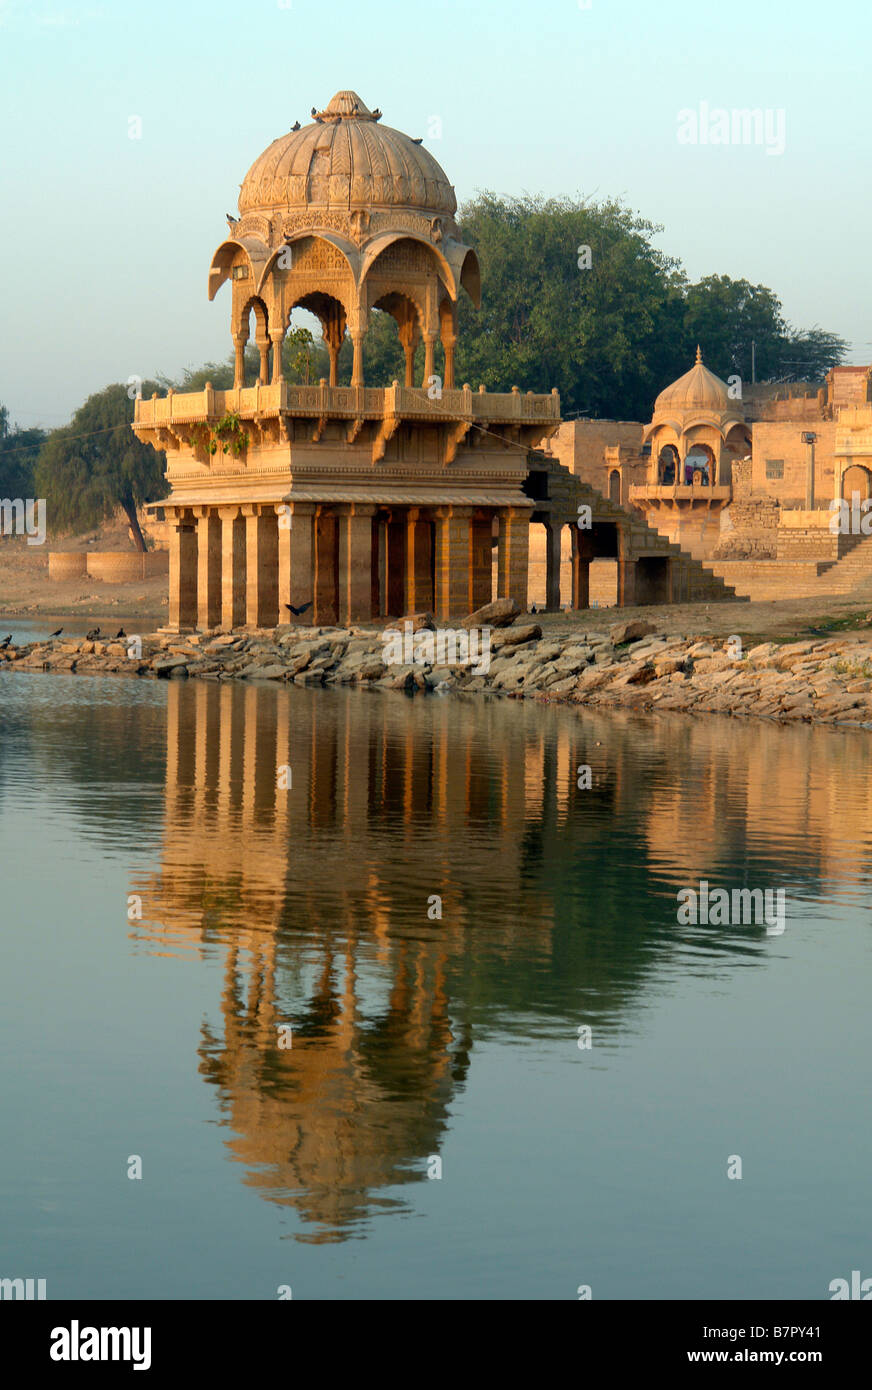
pixel 19 450
pixel 96 464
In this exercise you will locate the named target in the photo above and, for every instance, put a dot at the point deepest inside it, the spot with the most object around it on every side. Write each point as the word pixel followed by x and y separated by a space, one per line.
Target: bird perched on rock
pixel 419 141
pixel 120 633
pixel 56 634
pixel 92 635
pixel 298 611
pixel 5 643
pixel 295 127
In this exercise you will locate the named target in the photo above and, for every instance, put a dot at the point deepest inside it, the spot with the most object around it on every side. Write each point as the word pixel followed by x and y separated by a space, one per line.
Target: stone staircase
pixel 760 580
pixel 692 582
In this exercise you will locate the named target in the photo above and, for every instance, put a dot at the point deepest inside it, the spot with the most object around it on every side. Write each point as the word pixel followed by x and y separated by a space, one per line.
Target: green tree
pixel 725 317
pixel 96 464
pixel 19 450
pixel 607 334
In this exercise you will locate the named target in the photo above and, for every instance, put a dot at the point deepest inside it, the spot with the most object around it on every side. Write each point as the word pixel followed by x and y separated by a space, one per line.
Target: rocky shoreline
pixel 625 665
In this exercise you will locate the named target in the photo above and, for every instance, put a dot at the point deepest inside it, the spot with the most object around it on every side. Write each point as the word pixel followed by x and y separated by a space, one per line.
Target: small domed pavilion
pixel 695 433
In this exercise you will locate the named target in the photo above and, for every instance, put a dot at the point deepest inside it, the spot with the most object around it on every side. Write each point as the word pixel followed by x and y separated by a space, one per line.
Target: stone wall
pixel 580 446
pixel 781 441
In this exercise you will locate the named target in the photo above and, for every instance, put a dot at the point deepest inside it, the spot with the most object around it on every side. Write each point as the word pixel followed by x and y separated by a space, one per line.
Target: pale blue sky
pixel 107 240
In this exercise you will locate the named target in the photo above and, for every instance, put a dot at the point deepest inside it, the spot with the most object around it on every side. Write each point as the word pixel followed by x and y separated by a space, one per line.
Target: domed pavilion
pixel 351 502
pixel 695 433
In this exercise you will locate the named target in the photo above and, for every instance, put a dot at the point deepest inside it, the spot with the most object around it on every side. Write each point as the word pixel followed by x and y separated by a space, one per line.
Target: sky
pixel 107 239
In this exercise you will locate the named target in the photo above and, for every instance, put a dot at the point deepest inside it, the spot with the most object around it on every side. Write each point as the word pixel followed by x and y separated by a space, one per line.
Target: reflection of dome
pixel 346 160
pixel 698 390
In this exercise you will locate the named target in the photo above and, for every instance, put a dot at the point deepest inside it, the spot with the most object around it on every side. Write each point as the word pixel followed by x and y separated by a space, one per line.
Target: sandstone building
pixel 331 503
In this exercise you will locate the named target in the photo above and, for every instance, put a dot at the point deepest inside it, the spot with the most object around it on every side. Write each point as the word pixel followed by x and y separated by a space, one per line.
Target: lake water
pixel 434 1129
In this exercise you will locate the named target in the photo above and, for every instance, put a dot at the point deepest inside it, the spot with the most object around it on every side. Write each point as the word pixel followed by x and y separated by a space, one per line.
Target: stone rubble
pixel 630 666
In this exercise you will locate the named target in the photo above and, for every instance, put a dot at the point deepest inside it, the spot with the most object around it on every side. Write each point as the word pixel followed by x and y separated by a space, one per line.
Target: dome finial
pixel 698 355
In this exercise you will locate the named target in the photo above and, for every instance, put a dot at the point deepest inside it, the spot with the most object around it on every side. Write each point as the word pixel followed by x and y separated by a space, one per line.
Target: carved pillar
pixel 453 597
pixel 419 562
pixel 183 573
pixel 355 563
pixel 263 349
pixel 333 332
pixel 261 566
pixel 553 534
pixel 296 522
pixel 232 567
pixel 513 555
pixel 410 336
pixel 277 340
pixel 208 567
pixel 357 336
pixel 429 357
pixel 448 315
pixel 239 342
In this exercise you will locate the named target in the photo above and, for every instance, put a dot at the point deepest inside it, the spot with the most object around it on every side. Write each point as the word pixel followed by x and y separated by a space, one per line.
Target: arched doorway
pixel 667 465
pixel 615 486
pixel 856 478
pixel 699 466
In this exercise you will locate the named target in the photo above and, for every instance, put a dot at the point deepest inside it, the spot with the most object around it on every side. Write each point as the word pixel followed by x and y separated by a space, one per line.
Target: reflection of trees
pixel 100 742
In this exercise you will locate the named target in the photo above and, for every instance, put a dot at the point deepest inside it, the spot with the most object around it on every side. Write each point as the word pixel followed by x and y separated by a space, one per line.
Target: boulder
pixel 515 636
pixel 630 631
pixel 420 622
pixel 501 613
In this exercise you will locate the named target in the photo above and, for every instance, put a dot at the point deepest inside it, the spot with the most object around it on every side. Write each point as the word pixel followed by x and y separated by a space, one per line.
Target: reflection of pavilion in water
pixel 318 896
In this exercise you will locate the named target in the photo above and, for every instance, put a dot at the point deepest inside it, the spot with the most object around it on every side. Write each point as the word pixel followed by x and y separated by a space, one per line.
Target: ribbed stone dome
pixel 699 389
pixel 345 160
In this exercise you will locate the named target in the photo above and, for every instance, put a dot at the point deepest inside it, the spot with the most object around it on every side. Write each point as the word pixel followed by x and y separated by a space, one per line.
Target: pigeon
pixel 56 634
pixel 295 127
pixel 419 141
pixel 232 222
pixel 120 633
pixel 298 611
pixel 5 643
pixel 92 635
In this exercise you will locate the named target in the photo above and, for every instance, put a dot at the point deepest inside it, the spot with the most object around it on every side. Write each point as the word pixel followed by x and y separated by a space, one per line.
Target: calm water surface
pixel 417 1041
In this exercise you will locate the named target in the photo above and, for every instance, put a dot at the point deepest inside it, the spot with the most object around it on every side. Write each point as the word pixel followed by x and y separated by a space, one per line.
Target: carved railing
pixel 344 402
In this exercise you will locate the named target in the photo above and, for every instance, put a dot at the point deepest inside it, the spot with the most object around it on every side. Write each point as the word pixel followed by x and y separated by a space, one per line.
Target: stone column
pixel 263 349
pixel 453 597
pixel 326 546
pixel 355 563
pixel 429 357
pixel 296 521
pixel 419 560
pixel 208 567
pixel 277 340
pixel 626 597
pixel 239 342
pixel 553 534
pixel 482 561
pixel 357 337
pixel 261 566
pixel 183 573
pixel 582 554
pixel 233 567
pixel 513 555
